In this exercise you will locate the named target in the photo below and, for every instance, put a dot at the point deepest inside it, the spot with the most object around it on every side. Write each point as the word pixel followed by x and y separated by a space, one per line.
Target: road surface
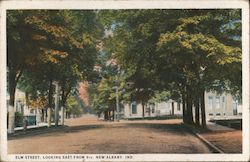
pixel 88 135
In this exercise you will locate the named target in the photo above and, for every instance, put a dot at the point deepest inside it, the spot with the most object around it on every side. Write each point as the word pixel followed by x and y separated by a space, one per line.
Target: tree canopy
pixel 149 55
pixel 184 52
pixel 51 45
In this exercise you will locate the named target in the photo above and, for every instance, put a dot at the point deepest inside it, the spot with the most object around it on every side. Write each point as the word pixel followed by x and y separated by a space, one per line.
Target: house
pixel 33 114
pixel 134 109
pixel 217 106
pixel 222 106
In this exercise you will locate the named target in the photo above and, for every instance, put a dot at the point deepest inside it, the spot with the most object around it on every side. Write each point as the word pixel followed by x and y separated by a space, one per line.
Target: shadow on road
pixel 170 128
pixel 59 131
pixel 83 128
pixel 174 128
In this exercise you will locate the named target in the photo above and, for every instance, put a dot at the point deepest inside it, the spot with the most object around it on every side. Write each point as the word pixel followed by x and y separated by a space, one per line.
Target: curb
pixel 205 141
pixel 209 144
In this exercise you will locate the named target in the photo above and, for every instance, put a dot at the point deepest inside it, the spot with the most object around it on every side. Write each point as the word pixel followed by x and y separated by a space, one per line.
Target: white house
pixel 21 106
pixel 216 105
pixel 222 106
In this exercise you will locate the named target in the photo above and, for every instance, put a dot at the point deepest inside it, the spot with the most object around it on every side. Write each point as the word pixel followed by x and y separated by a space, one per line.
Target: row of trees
pixel 148 54
pixel 181 53
pixel 45 46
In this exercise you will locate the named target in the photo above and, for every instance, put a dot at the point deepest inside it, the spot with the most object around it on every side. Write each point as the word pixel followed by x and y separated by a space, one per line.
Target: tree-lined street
pixel 100 61
pixel 88 135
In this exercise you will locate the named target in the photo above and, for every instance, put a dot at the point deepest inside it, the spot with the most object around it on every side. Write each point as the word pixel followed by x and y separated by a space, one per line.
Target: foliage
pixel 50 45
pixel 181 52
pixel 72 106
pixel 150 55
pixel 18 119
pixel 160 96
pixel 65 52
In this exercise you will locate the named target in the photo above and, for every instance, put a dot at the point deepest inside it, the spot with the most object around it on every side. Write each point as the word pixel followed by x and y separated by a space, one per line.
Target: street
pixel 88 135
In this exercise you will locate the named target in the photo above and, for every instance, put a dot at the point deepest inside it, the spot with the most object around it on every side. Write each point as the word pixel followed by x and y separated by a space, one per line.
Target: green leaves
pixel 199 43
pixel 163 49
pixel 52 45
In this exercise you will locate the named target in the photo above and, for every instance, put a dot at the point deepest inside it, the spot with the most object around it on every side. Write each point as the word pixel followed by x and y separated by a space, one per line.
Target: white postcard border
pixel 145 4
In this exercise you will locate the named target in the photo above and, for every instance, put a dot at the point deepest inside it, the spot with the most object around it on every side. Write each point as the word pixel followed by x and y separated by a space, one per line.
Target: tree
pixel 104 101
pixel 53 47
pixel 206 55
pixel 72 107
pixel 132 45
pixel 20 51
pixel 181 51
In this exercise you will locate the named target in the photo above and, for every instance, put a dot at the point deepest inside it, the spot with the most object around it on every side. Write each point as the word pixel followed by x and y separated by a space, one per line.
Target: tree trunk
pixel 184 109
pixel 56 113
pixel 42 119
pixel 197 111
pixel 11 117
pixel 113 115
pixel 62 115
pixel 13 79
pixel 172 108
pixel 106 115
pixel 203 111
pixel 49 117
pixel 46 115
pixel 50 97
pixel 27 99
pixel 110 116
pixel 67 115
pixel 149 111
pixel 64 96
pixel 143 112
pixel 189 109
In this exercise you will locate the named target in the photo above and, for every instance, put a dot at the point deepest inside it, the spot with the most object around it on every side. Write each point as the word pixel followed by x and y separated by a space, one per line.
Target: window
pixel 235 105
pixel 210 102
pixel 178 106
pixel 217 102
pixel 223 103
pixel 22 109
pixel 152 106
pixel 134 108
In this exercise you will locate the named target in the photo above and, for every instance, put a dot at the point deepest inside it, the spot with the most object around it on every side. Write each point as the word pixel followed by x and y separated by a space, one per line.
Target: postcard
pixel 124 80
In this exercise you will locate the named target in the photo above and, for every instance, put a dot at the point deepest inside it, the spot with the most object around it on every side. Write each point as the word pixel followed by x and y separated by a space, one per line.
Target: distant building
pixel 216 105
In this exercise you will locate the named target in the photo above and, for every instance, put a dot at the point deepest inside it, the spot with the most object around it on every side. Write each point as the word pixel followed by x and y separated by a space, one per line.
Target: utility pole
pixel 56 104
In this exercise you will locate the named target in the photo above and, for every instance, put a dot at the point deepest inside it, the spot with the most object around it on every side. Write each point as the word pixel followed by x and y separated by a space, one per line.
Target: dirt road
pixel 88 135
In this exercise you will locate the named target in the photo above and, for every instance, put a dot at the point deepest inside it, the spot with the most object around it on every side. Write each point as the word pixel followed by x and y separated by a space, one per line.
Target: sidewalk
pixel 32 126
pixel 222 139
pixel 227 139
pixel 216 127
pixel 34 130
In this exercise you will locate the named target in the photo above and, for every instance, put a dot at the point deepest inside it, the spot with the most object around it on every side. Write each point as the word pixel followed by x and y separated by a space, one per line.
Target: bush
pixel 18 119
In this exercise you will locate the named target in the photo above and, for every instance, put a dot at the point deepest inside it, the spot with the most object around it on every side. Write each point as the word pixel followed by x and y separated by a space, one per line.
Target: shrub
pixel 18 119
